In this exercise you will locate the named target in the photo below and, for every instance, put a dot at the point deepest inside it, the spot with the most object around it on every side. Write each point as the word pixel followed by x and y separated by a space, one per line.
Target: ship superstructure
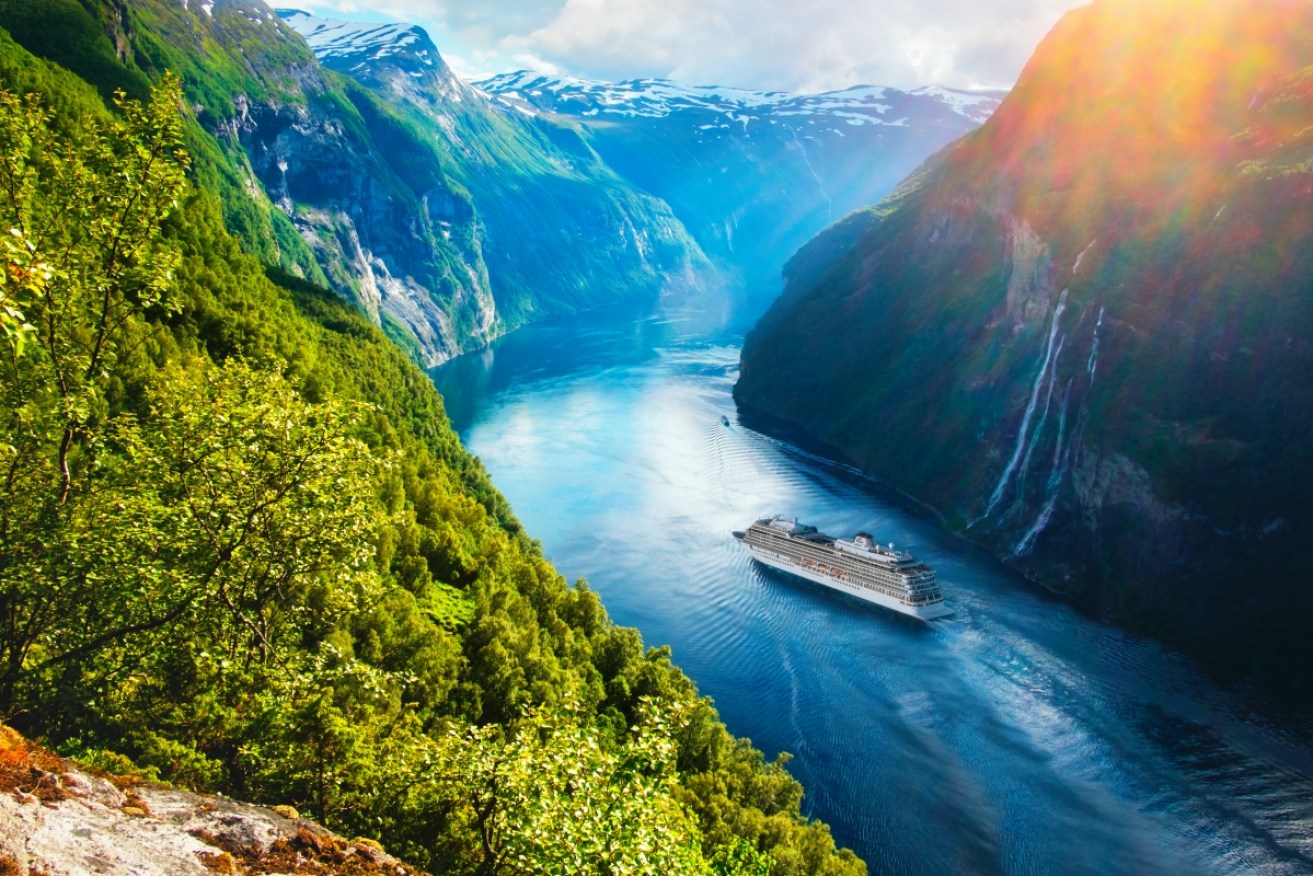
pixel 859 567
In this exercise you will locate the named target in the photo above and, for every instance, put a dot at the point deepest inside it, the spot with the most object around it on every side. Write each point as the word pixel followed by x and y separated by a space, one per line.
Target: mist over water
pixel 1012 737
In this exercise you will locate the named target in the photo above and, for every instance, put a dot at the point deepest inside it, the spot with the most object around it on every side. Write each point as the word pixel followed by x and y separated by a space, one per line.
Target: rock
pixel 91 826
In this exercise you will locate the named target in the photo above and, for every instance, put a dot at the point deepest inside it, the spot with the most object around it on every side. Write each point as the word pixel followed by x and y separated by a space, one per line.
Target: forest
pixel 242 550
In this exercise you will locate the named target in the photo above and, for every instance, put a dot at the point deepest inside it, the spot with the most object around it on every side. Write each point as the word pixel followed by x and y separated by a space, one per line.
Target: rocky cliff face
pixel 557 229
pixel 59 819
pixel 407 249
pixel 1079 333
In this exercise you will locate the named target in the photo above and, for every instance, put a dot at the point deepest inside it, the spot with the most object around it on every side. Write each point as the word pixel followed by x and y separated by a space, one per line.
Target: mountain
pixel 350 154
pixel 1081 335
pixel 752 174
pixel 558 229
pixel 366 179
pixel 243 550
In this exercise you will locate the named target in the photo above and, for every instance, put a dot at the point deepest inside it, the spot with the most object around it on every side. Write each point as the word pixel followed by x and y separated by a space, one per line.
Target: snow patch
pixel 658 98
pixel 331 39
pixel 975 105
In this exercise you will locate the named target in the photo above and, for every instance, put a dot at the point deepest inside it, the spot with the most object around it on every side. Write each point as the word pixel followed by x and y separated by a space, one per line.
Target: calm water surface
pixel 1013 737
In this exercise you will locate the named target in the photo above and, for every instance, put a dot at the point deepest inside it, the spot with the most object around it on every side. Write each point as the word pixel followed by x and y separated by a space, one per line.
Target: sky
pixel 803 46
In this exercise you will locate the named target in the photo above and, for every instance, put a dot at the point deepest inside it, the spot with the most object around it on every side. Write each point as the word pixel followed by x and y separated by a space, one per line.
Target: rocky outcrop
pixel 59 819
pixel 1078 333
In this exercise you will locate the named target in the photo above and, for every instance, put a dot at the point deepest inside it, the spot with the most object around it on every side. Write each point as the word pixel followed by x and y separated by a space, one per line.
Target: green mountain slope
pixel 241 548
pixel 337 183
pixel 1082 332
pixel 560 230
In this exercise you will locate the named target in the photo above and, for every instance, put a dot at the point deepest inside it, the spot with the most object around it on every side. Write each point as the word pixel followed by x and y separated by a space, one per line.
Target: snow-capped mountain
pixel 400 58
pixel 333 40
pixel 544 225
pixel 659 98
pixel 753 174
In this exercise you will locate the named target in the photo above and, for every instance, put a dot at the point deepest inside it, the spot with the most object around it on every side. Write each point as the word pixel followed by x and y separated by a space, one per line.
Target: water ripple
pixel 1013 737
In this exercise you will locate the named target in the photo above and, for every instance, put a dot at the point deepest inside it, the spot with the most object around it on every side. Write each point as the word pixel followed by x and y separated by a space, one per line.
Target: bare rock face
pixel 382 238
pixel 60 820
pixel 1030 291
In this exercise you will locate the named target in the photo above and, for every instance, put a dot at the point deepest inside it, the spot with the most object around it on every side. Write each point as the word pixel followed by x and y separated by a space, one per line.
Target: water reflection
pixel 1014 737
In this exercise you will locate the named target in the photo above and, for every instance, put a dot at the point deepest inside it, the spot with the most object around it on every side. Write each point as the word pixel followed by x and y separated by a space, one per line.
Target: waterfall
pixel 1043 417
pixel 820 183
pixel 1080 258
pixel 1060 458
pixel 1034 440
pixel 1017 452
pixel 1094 348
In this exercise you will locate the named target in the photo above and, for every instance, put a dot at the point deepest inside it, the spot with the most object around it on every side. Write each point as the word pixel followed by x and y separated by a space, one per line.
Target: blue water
pixel 1014 737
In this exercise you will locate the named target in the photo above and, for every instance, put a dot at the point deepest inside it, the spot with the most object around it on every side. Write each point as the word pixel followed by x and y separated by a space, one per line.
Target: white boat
pixel 859 567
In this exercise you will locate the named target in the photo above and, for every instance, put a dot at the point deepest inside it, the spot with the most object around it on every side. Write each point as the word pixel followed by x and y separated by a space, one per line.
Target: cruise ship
pixel 859 567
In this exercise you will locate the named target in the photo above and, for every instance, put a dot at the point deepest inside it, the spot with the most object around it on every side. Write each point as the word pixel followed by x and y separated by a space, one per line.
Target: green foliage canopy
pixel 240 545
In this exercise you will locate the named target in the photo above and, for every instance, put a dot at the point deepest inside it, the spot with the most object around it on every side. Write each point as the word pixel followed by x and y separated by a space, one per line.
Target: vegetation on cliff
pixel 448 225
pixel 241 547
pixel 1081 332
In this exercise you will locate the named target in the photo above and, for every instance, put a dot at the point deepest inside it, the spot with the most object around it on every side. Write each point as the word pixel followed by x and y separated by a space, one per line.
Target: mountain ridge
pixel 752 174
pixel 378 191
pixel 558 230
pixel 657 98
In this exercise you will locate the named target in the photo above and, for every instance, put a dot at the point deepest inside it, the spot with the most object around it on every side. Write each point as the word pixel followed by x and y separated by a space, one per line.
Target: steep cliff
pixel 355 181
pixel 316 175
pixel 559 230
pixel 753 175
pixel 1081 333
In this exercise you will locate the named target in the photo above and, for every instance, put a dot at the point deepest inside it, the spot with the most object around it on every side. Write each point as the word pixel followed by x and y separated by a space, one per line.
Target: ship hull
pixel 785 564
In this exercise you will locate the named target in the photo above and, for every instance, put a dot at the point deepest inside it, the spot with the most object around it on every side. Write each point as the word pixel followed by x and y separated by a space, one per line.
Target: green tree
pixel 84 254
pixel 233 532
pixel 251 498
pixel 84 260
pixel 207 568
pixel 557 795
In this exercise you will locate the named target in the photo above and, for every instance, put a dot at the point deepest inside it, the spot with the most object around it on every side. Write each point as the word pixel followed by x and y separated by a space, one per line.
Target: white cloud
pixel 779 44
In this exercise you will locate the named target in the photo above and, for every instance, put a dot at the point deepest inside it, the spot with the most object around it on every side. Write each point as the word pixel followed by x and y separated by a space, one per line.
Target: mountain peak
pixel 330 37
pixel 372 49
